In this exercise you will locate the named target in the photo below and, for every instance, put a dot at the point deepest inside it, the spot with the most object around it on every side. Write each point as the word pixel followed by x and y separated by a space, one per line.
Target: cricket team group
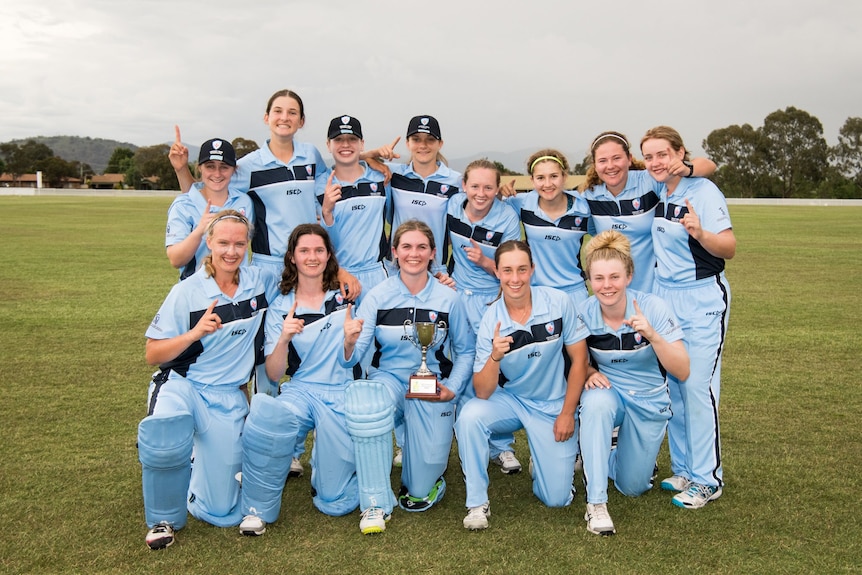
pixel 378 309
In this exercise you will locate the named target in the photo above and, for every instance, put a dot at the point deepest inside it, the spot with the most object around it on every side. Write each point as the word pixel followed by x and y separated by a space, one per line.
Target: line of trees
pixel 31 157
pixel 787 157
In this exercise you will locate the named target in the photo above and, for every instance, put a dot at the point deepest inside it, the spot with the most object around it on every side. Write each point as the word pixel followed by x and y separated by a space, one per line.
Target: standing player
pixel 304 328
pixel 520 382
pixel 191 213
pixel 477 224
pixel 692 236
pixel 422 187
pixel 634 341
pixel 203 340
pixel 354 200
pixel 555 223
pixel 374 405
pixel 623 196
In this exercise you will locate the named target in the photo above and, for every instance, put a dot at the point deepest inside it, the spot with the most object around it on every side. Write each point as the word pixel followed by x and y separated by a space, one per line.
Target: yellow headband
pixel 543 158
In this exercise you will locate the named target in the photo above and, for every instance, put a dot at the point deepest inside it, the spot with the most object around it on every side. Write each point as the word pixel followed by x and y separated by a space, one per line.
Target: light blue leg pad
pixel 370 419
pixel 268 440
pixel 165 451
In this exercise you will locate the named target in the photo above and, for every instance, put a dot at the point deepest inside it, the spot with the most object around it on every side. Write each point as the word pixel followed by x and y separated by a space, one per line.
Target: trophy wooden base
pixel 423 387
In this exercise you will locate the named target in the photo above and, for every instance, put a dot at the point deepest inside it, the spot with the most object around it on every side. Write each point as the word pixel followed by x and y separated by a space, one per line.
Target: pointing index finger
pixel 637 307
pixel 177 138
pixel 395 142
pixel 689 206
pixel 292 310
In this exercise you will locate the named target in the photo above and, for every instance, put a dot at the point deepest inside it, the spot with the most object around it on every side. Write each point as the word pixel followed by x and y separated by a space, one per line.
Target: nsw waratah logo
pixel 489 235
pixel 345 119
pixel 373 187
pixel 676 211
pixel 339 299
pixel 216 144
pixel 549 327
pixel 253 303
pixel 308 170
pixel 578 221
pixel 636 204
pixel 432 315
pixel 638 338
pixel 444 188
pixel 424 121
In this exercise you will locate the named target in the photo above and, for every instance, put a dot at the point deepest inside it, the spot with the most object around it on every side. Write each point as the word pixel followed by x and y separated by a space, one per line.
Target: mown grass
pixel 81 278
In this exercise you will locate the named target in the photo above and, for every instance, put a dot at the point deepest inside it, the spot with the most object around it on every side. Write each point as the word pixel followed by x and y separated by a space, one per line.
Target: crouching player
pixel 634 341
pixel 203 340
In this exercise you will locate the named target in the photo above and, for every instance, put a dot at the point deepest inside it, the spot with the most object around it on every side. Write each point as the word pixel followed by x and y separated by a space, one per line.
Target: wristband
pixel 496 360
pixel 690 168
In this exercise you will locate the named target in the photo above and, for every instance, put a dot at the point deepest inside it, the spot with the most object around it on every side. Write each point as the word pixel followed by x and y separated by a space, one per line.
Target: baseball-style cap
pixel 344 125
pixel 424 125
pixel 217 149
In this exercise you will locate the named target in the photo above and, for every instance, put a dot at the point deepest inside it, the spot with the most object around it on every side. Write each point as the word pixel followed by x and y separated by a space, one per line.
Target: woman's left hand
pixel 564 427
pixel 640 323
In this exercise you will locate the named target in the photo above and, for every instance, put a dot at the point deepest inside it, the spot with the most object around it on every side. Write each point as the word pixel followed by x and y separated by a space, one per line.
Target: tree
pixel 24 159
pixel 152 161
pixel 55 170
pixel 121 160
pixel 581 167
pixel 797 154
pixel 504 171
pixel 243 147
pixel 847 155
pixel 740 153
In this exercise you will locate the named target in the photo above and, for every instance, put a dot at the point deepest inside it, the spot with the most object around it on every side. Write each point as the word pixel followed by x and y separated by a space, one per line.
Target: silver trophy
pixel 423 384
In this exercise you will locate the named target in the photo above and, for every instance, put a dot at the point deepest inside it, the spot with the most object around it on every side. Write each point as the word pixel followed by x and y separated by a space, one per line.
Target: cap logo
pixel 216 144
pixel 424 121
pixel 345 119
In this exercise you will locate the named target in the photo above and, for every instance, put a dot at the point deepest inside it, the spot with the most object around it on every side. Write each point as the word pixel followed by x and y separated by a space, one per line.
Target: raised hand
pixel 330 196
pixel 691 222
pixel 474 252
pixel 639 322
pixel 352 329
pixel 179 153
pixel 508 190
pixel 500 345
pixel 291 325
pixel 210 322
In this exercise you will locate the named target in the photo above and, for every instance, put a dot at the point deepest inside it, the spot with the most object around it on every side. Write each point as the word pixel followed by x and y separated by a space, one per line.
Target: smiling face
pixel 228 243
pixel 345 149
pixel 284 117
pixel 514 270
pixel 424 148
pixel 481 189
pixel 612 165
pixel 609 280
pixel 548 179
pixel 658 154
pixel 216 175
pixel 310 256
pixel 413 252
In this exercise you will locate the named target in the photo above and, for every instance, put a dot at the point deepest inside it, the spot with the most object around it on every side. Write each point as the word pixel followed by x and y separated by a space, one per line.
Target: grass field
pixel 81 279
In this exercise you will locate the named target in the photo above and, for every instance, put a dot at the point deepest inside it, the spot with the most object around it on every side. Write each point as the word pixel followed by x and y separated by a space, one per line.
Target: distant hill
pixel 93 151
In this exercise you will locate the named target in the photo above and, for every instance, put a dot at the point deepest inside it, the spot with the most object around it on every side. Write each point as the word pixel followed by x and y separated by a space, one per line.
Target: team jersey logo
pixel 676 211
pixel 253 303
pixel 308 170
pixel 638 338
pixel 636 204
pixel 432 315
pixel 373 187
pixel 578 222
pixel 489 236
pixel 444 188
pixel 549 327
pixel 339 299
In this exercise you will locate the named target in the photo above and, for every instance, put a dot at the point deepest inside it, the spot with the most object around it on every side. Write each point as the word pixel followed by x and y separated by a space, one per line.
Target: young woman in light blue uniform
pixel 374 405
pixel 191 213
pixel 477 224
pixel 555 223
pixel 634 341
pixel 354 201
pixel 304 333
pixel 421 188
pixel 203 339
pixel 692 237
pixel 520 383
pixel 623 196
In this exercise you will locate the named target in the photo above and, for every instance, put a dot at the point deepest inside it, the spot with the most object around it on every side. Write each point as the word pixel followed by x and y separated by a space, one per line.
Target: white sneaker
pixel 373 520
pixel 477 517
pixel 296 469
pixel 160 536
pixel 696 496
pixel 675 483
pixel 599 520
pixel 252 525
pixel 508 463
pixel 396 461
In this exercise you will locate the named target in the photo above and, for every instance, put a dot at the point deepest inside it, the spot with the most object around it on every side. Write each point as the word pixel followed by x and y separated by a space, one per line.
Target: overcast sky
pixel 499 75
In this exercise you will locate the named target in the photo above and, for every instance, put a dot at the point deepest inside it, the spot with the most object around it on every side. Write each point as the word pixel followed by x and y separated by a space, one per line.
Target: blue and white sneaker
pixel 696 496
pixel 252 526
pixel 373 520
pixel 477 517
pixel 414 504
pixel 675 483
